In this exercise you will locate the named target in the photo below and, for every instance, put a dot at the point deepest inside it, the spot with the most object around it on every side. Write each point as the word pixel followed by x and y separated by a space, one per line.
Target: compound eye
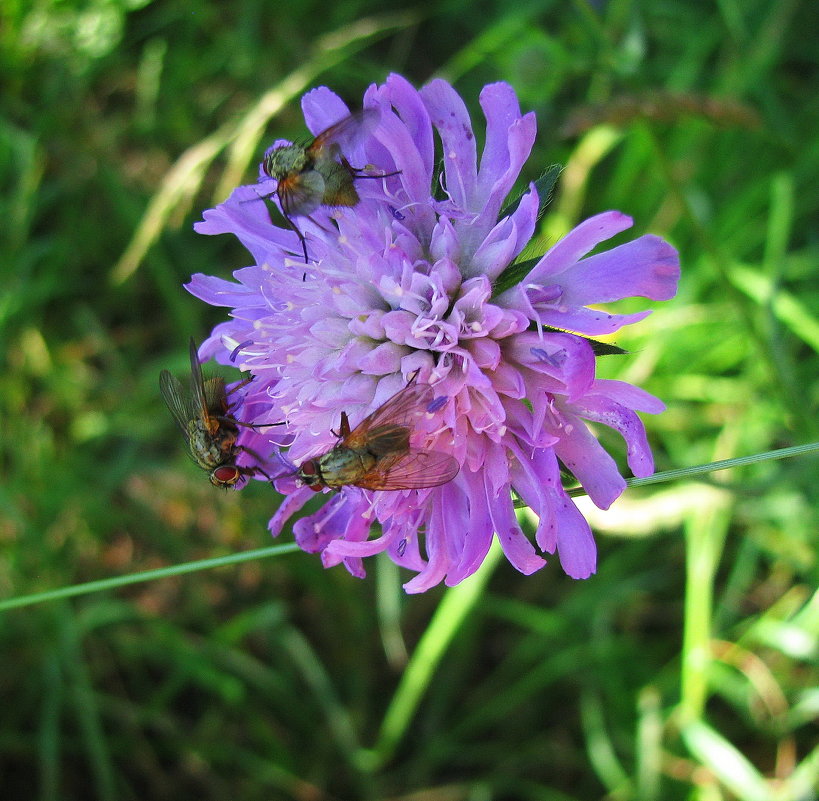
pixel 225 476
pixel 310 475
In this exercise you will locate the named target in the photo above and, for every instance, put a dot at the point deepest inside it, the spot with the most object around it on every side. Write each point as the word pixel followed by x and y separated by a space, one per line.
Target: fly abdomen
pixel 342 466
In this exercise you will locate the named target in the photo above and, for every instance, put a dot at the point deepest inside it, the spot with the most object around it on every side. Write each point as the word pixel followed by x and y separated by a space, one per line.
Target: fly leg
pixel 257 426
pixel 344 428
pixel 251 471
pixel 299 234
pixel 361 172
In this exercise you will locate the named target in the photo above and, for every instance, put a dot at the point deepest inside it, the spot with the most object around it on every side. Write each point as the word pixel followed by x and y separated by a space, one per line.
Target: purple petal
pixel 445 243
pixel 451 118
pixel 244 214
pixel 289 506
pixel 575 544
pixel 517 548
pixel 587 321
pixel 322 108
pixel 528 483
pixel 476 535
pixel 354 565
pixel 600 409
pixel 590 464
pixel 354 541
pixel 525 219
pixel 564 357
pixel 495 252
pixel 486 352
pixel 218 292
pixel 509 140
pixel 561 526
pixel 537 479
pixel 647 267
pixel 502 111
pixel 627 395
pixel 438 559
pixel 383 359
pixel 406 138
pixel 311 533
pixel 577 243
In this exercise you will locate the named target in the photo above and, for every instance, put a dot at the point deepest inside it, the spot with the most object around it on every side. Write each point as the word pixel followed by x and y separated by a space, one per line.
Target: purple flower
pixel 403 283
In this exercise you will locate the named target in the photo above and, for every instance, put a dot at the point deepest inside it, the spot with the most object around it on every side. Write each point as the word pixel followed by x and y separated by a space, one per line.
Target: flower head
pixel 404 285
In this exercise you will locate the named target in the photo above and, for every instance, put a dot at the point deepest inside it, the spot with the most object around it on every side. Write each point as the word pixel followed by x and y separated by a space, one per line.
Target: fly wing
pixel 403 409
pixel 344 134
pixel 301 194
pixel 215 396
pixel 413 469
pixel 200 401
pixel 178 400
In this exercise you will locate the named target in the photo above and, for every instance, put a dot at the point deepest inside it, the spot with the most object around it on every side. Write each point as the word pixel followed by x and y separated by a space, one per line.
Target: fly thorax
pixel 284 161
pixel 224 434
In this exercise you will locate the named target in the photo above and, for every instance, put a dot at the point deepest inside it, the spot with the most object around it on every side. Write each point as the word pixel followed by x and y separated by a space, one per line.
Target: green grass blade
pixel 146 575
pixel 423 664
pixel 705 532
pixel 86 708
pixel 49 739
pixel 726 762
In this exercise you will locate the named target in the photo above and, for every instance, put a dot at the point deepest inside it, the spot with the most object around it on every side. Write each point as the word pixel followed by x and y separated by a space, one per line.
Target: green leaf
pixel 600 348
pixel 513 275
pixel 545 185
pixel 516 272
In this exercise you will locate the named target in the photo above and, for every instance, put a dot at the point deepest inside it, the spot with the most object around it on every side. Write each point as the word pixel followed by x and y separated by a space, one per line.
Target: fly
pixel 318 174
pixel 377 454
pixel 202 412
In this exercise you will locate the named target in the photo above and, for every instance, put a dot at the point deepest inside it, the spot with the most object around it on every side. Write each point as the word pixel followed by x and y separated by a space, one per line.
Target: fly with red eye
pixel 202 412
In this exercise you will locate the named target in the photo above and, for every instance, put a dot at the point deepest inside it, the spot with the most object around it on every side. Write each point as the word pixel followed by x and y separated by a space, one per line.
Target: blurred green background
pixel 684 670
